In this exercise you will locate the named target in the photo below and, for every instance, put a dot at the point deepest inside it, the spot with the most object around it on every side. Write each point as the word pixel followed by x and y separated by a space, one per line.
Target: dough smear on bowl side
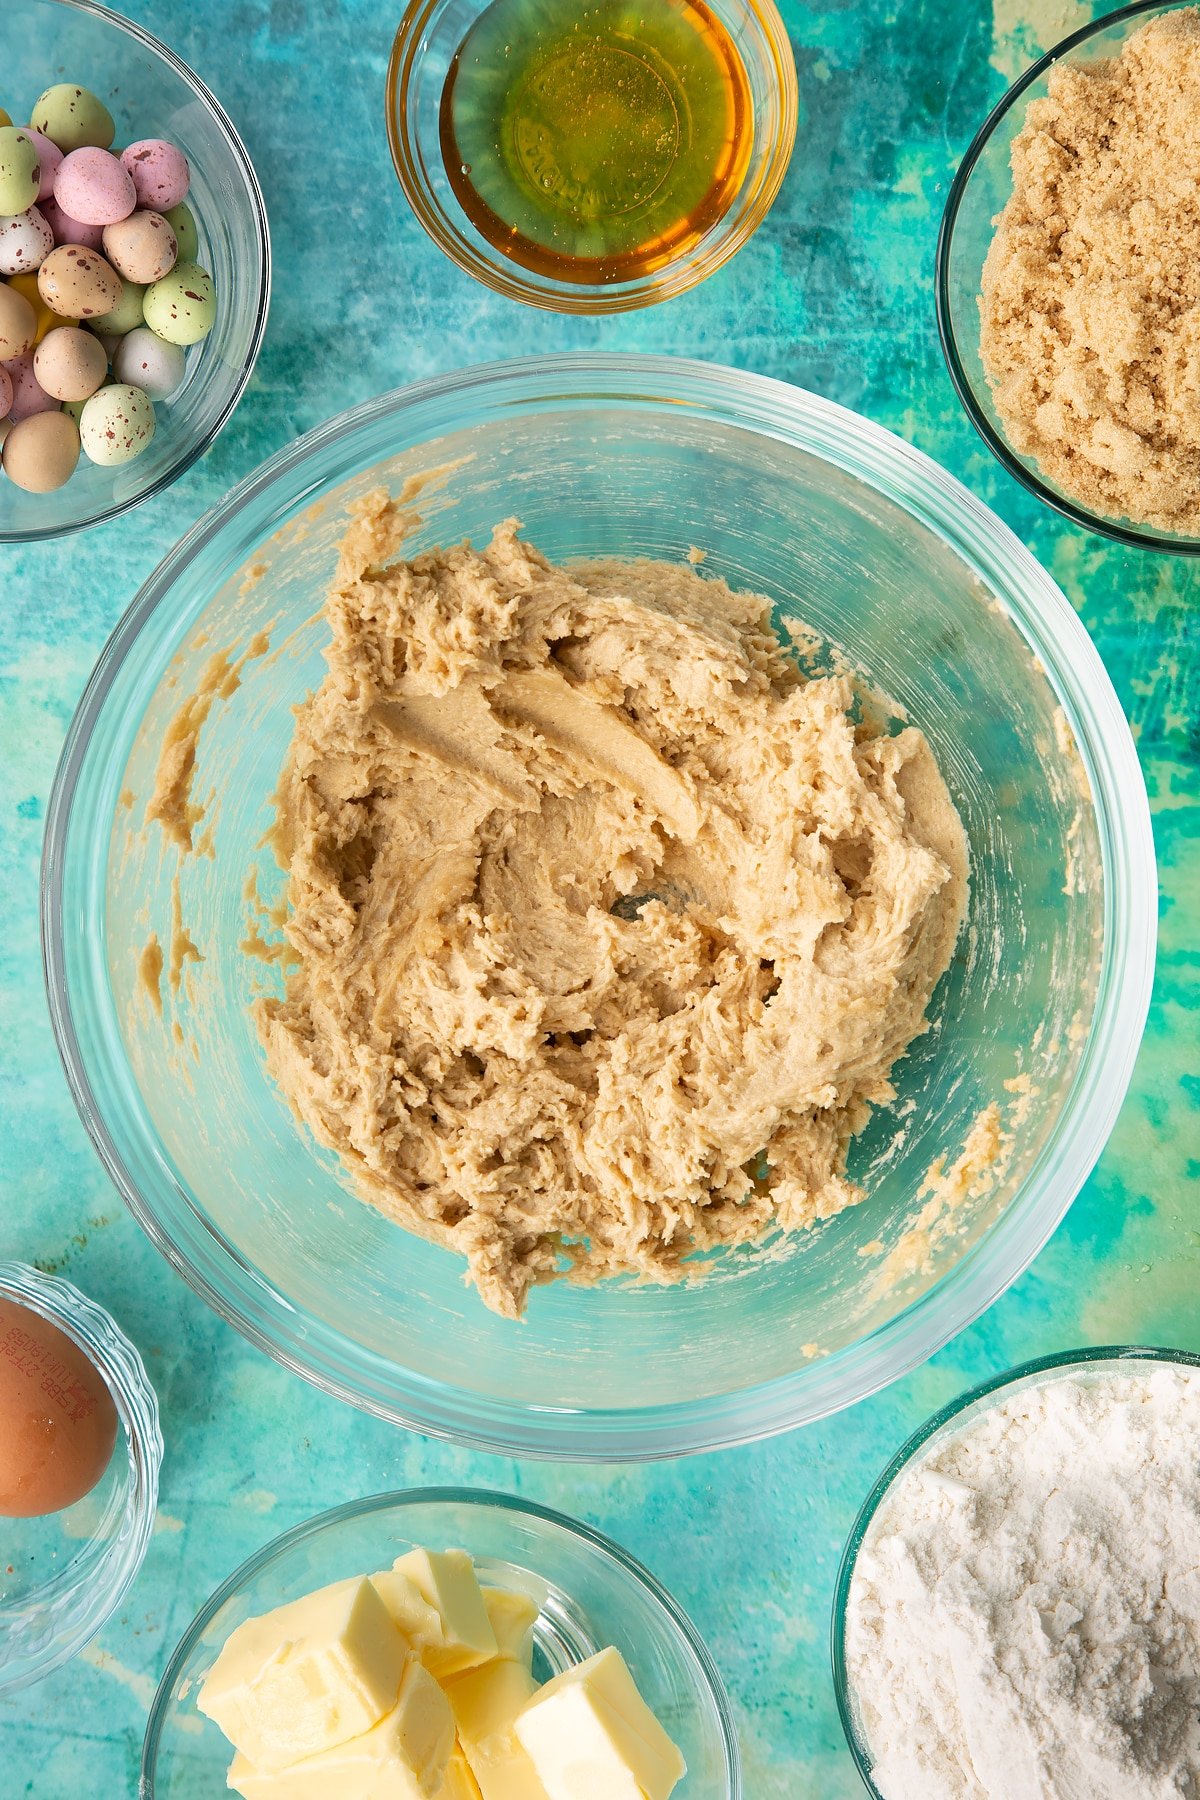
pixel 610 923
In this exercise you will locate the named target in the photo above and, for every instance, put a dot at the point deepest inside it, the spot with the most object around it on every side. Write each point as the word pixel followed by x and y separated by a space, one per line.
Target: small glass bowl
pixel 589 1593
pixel 431 32
pixel 1104 1360
pixel 150 93
pixel 62 1575
pixel 978 193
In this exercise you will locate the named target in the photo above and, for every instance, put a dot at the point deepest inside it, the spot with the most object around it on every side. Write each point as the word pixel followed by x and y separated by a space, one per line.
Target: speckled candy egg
pixel 183 224
pixel 116 424
pixel 40 453
pixel 145 360
pixel 125 315
pixel 142 248
pixel 20 171
pixel 29 396
pixel 44 317
pixel 18 325
pixel 49 158
pixel 72 116
pixel 182 308
pixel 93 186
pixel 26 240
pixel 78 283
pixel 70 363
pixel 68 230
pixel 160 173
pixel 6 392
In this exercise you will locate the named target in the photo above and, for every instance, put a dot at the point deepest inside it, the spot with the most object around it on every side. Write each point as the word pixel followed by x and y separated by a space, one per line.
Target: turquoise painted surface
pixel 835 293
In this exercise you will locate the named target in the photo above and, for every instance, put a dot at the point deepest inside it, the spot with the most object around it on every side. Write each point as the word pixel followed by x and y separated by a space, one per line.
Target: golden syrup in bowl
pixel 596 142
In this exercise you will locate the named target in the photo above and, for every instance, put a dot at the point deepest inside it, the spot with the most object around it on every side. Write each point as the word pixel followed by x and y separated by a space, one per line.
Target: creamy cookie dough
pixel 609 922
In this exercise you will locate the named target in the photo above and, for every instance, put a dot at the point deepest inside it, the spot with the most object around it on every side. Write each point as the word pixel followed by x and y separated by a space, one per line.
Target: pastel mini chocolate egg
pixel 78 283
pixel 29 396
pixel 182 307
pixel 5 118
pixel 183 223
pixel 160 173
pixel 70 363
pixel 125 314
pixel 5 391
pixel 142 247
pixel 72 116
pixel 49 158
pixel 145 360
pixel 94 187
pixel 68 230
pixel 116 425
pixel 26 240
pixel 44 317
pixel 18 324
pixel 20 171
pixel 40 452
pixel 74 408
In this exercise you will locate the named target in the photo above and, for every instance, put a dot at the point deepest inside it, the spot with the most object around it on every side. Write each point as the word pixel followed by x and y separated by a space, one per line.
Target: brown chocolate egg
pixel 78 283
pixel 70 363
pixel 58 1422
pixel 142 247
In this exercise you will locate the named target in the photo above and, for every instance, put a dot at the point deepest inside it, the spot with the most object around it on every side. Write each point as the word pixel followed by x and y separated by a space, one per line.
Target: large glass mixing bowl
pixel 1039 1017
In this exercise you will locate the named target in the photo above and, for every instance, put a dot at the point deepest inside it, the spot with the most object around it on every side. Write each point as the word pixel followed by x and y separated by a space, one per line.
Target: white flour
pixel 1024 1619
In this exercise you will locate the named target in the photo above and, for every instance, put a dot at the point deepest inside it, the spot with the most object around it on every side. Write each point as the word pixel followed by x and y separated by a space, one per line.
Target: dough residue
pixel 609 923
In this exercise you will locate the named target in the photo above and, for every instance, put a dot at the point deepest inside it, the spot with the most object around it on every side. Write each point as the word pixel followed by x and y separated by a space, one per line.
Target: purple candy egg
pixel 71 231
pixel 49 157
pixel 28 394
pixel 93 186
pixel 160 173
pixel 6 392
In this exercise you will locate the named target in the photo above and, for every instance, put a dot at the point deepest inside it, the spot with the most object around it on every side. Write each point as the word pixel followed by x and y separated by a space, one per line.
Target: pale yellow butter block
pixel 405 1757
pixel 412 1614
pixel 445 1579
pixel 308 1676
pixel 512 1617
pixel 591 1736
pixel 459 1783
pixel 485 1703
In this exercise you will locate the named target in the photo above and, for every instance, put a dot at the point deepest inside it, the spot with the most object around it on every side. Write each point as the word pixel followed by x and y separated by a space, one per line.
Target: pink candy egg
pixel 26 240
pixel 160 173
pixel 49 157
pixel 28 394
pixel 93 186
pixel 6 392
pixel 71 231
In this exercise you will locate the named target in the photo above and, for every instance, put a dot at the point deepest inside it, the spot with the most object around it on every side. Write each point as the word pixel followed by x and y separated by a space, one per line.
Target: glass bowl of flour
pixel 1018 1604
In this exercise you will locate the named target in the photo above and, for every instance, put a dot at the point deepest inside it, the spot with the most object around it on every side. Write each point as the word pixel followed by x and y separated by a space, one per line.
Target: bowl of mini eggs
pixel 134 267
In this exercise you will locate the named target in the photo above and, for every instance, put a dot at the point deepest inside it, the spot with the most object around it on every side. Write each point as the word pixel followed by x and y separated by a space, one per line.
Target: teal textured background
pixel 836 294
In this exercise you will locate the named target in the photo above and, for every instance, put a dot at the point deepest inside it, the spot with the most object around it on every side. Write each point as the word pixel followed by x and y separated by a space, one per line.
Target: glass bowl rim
pixel 32 534
pixel 96 1332
pixel 1047 622
pixel 948 337
pixel 592 300
pixel 1019 1374
pixel 485 1499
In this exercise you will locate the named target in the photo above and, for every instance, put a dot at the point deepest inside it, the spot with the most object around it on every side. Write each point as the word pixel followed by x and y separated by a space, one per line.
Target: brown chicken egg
pixel 58 1422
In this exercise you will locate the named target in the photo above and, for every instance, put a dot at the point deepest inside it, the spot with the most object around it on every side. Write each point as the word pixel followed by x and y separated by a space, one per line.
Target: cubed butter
pixel 512 1616
pixel 485 1702
pixel 591 1736
pixel 459 1783
pixel 412 1614
pixel 308 1676
pixel 445 1579
pixel 405 1757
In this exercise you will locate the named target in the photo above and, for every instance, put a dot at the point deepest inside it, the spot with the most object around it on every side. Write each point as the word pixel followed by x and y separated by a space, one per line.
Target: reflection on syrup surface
pixel 596 142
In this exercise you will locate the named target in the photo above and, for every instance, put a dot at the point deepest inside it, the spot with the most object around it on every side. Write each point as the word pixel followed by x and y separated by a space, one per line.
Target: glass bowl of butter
pixel 446 1643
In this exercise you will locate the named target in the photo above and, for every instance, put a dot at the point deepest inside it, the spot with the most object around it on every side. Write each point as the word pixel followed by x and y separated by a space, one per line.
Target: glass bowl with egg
pixel 80 1466
pixel 589 1594
pixel 982 187
pixel 594 162
pixel 1002 1107
pixel 150 93
pixel 915 1462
